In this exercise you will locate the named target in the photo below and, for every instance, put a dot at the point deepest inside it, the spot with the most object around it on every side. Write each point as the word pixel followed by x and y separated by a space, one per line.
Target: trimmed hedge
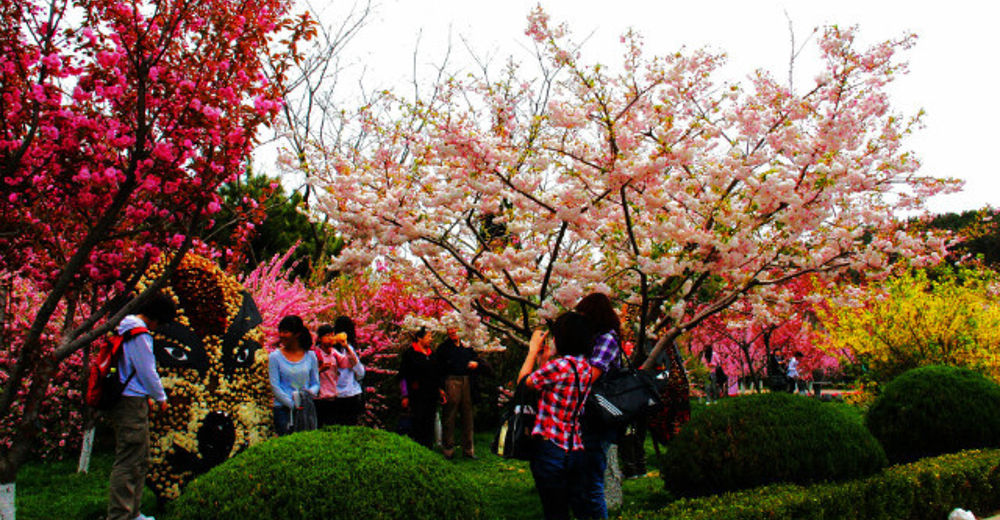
pixel 924 490
pixel 750 441
pixel 932 410
pixel 335 473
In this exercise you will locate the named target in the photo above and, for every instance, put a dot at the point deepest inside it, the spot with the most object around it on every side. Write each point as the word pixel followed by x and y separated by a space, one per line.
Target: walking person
pixel 420 387
pixel 563 381
pixel 459 365
pixel 605 356
pixel 794 378
pixel 349 403
pixel 294 373
pixel 131 415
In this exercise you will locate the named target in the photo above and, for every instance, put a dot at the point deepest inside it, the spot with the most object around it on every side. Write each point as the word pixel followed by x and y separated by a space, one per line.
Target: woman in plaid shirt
pixel 563 383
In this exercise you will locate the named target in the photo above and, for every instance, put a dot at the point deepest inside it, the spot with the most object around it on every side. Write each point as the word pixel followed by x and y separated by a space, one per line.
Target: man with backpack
pixel 130 416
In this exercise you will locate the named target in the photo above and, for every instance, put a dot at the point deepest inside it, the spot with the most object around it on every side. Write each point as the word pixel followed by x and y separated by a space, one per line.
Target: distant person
pixel 294 373
pixel 718 382
pixel 459 365
pixel 777 373
pixel 794 378
pixel 563 381
pixel 420 387
pixel 349 404
pixel 130 416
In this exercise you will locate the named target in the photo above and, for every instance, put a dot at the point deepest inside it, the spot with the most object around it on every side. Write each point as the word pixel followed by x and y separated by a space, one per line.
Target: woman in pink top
pixel 330 363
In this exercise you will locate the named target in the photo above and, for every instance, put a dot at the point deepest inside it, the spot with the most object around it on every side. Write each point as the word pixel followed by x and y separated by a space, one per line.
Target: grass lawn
pixel 47 491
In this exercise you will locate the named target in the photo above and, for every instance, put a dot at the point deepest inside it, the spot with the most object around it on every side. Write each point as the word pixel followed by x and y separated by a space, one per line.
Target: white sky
pixel 953 73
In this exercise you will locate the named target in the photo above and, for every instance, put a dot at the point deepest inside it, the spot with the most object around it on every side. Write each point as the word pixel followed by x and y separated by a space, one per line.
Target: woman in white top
pixel 349 403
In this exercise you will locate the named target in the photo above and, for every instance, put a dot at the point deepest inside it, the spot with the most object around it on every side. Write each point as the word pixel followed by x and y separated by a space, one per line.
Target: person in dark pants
pixel 605 356
pixel 563 381
pixel 459 365
pixel 131 415
pixel 420 385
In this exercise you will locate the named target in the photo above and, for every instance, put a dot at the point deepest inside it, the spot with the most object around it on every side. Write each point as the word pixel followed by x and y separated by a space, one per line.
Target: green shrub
pixel 933 410
pixel 335 473
pixel 925 490
pixel 755 440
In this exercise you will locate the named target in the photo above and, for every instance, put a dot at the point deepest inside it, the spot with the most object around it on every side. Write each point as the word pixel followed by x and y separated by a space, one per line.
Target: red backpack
pixel 104 386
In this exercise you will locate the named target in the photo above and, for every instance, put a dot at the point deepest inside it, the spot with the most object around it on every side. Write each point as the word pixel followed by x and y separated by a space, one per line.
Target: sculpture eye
pixel 178 346
pixel 243 354
pixel 177 352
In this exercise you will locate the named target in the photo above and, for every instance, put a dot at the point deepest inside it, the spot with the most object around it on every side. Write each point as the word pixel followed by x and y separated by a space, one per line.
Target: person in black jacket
pixel 459 364
pixel 420 385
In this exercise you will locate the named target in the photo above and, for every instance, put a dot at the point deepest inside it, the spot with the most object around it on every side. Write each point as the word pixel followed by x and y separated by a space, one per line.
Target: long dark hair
pixel 346 325
pixel 598 309
pixel 295 325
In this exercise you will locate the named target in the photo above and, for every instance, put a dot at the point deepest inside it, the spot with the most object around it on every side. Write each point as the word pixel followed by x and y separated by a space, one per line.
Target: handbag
pixel 617 398
pixel 513 437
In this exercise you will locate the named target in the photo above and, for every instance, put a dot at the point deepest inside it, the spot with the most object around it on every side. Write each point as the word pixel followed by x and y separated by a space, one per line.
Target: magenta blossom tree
pixel 118 121
pixel 741 337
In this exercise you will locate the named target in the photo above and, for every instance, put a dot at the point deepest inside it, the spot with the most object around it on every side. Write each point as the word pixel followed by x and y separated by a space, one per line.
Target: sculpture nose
pixel 216 438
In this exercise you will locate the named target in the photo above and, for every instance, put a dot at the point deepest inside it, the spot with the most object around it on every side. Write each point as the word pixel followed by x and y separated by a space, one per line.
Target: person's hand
pixel 158 406
pixel 537 341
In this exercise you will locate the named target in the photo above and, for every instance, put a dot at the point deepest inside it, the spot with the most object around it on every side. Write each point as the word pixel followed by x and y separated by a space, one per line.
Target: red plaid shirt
pixel 561 402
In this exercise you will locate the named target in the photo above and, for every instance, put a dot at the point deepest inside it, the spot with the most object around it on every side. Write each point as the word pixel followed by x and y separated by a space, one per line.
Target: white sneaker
pixel 143 517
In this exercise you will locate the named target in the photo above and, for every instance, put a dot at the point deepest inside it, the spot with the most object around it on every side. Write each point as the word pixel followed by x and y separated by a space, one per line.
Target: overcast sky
pixel 953 75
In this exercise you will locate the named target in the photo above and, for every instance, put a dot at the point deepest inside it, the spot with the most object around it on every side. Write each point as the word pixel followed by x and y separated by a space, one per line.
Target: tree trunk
pixel 613 479
pixel 86 450
pixel 7 493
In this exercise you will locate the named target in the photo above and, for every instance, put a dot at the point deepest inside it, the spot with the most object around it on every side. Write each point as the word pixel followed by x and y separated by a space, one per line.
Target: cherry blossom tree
pixel 510 194
pixel 119 121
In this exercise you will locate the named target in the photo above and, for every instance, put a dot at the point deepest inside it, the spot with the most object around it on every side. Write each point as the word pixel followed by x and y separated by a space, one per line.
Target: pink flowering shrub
pixel 62 412
pixel 377 300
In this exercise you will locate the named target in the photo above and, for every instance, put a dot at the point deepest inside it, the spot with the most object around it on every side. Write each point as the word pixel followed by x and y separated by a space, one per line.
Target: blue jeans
pixel 282 420
pixel 558 480
pixel 595 461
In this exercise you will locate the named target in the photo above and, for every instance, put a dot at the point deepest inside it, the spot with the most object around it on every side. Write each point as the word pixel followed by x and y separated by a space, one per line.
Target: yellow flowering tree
pixel 947 316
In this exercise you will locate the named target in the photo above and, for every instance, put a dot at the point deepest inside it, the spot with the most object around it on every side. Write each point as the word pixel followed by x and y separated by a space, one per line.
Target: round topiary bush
pixel 342 472
pixel 754 440
pixel 934 410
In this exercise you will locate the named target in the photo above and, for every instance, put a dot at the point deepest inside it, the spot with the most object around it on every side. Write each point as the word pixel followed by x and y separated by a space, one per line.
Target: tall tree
pixel 119 122
pixel 515 194
pixel 260 220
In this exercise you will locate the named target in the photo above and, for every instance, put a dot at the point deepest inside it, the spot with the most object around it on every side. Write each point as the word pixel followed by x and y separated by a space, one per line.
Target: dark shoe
pixel 448 454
